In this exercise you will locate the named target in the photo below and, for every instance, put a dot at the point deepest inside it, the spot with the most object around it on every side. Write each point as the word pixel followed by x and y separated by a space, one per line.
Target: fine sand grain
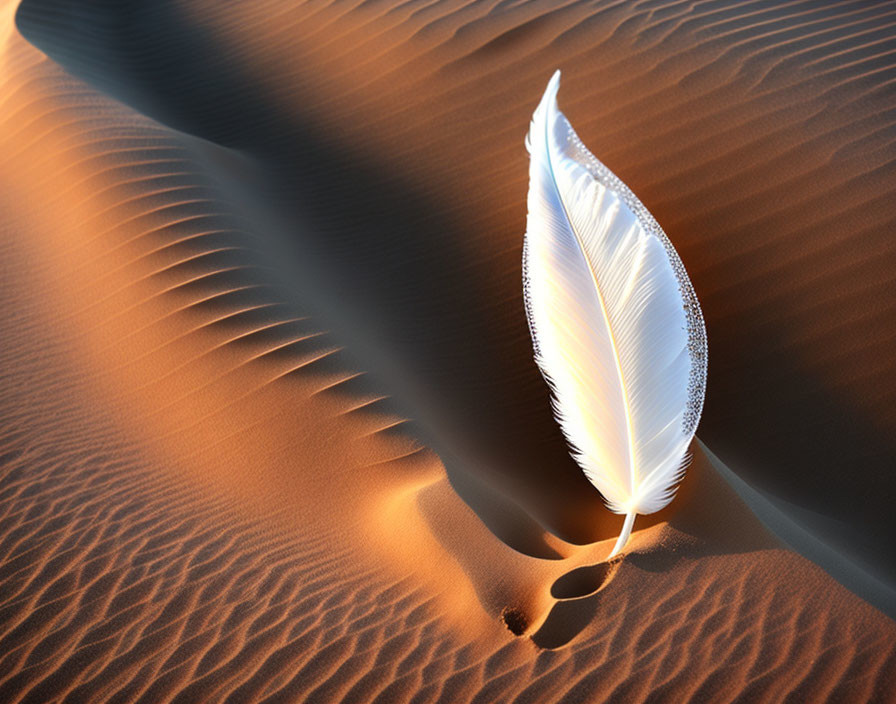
pixel 270 429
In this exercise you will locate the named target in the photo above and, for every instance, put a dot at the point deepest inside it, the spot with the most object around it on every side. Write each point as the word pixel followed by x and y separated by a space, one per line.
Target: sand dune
pixel 270 427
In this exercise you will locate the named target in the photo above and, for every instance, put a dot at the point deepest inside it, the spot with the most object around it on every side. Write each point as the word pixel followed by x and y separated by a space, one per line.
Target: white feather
pixel 615 324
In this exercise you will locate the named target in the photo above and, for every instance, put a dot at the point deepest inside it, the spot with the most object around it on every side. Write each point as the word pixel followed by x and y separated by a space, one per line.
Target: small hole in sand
pixel 515 620
pixel 582 581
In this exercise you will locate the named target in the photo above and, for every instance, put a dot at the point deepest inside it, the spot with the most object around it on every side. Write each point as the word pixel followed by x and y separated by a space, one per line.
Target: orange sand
pixel 270 429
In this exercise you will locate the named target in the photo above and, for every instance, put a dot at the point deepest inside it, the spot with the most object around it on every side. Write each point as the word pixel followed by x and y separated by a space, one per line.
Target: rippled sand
pixel 270 429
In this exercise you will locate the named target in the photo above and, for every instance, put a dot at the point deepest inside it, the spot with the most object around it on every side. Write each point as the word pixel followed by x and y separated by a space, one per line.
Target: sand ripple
pixel 245 247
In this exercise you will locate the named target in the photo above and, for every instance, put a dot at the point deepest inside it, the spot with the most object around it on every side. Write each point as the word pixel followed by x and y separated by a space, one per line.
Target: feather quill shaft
pixel 616 327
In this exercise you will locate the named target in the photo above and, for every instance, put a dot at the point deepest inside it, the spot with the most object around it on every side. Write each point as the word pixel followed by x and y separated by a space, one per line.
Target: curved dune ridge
pixel 270 428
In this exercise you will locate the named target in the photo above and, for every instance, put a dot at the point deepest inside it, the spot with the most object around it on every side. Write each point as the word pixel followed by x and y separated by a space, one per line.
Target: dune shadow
pixel 578 598
pixel 388 263
pixel 380 258
pixel 566 620
pixel 583 581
